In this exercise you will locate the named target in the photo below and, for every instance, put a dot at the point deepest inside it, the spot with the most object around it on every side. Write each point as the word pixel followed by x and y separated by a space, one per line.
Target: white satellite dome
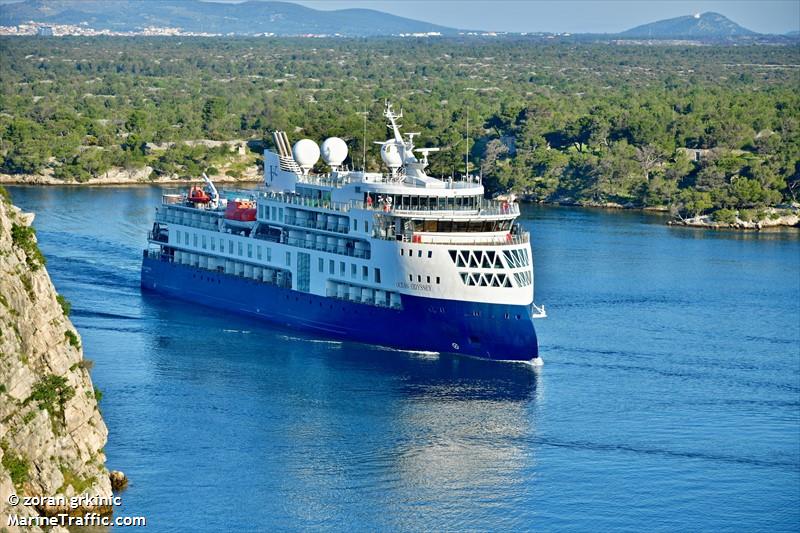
pixel 390 153
pixel 334 151
pixel 306 153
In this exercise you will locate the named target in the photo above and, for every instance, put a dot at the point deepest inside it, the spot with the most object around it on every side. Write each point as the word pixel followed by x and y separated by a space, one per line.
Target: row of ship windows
pixel 410 252
pixel 490 259
pixel 376 272
pixel 276 215
pixel 240 249
pixel 427 278
pixel 485 280
pixel 264 211
pixel 523 279
pixel 234 248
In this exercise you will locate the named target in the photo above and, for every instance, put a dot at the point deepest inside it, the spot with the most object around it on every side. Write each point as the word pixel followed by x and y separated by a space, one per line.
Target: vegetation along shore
pixel 710 133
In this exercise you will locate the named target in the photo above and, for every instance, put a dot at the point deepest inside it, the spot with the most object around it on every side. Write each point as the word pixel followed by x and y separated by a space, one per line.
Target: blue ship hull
pixel 489 331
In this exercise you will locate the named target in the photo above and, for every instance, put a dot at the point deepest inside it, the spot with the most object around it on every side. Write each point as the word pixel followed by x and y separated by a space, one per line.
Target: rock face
pixel 775 218
pixel 51 431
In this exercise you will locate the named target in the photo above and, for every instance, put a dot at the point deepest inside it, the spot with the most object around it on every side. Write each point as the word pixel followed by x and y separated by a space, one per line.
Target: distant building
pixel 695 154
pixel 44 31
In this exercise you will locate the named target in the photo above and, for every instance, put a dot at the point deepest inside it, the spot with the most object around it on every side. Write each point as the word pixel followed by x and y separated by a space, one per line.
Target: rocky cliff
pixel 51 431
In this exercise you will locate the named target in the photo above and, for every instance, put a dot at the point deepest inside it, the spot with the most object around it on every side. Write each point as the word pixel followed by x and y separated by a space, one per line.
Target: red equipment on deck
pixel 242 210
pixel 198 196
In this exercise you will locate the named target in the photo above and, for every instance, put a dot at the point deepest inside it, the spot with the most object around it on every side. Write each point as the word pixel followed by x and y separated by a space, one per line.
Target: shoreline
pixel 47 181
pixel 136 179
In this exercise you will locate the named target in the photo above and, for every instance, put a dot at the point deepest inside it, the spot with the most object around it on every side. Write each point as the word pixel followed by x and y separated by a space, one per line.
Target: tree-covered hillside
pixel 552 121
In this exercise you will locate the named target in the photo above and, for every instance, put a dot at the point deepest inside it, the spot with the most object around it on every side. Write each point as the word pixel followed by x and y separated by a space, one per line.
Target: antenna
pixel 466 150
pixel 364 161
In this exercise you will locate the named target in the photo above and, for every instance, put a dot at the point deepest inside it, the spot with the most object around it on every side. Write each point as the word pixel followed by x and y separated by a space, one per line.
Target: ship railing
pixel 507 240
pixel 313 244
pixel 294 221
pixel 172 216
pixel 316 203
pixel 485 210
pixel 328 180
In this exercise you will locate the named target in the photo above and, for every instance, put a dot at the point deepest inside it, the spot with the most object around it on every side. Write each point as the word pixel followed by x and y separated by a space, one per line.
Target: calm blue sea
pixel 669 399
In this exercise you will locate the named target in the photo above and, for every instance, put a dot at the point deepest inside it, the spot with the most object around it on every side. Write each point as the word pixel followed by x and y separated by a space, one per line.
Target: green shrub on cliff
pixel 65 305
pixel 72 339
pixel 52 393
pixel 23 238
pixel 16 465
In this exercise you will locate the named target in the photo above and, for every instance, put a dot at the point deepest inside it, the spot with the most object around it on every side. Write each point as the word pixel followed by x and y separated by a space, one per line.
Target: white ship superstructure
pixel 397 258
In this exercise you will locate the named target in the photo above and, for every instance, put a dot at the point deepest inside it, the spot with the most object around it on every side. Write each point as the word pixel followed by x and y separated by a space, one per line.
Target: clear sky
pixel 578 16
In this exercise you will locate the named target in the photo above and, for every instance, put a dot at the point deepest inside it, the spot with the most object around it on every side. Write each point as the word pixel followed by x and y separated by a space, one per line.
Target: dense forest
pixel 696 128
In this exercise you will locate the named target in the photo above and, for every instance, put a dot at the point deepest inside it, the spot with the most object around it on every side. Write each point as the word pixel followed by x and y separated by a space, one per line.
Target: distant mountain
pixel 708 26
pixel 247 18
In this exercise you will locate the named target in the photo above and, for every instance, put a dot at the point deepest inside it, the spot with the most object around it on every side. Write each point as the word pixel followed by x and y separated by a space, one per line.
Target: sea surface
pixel 669 398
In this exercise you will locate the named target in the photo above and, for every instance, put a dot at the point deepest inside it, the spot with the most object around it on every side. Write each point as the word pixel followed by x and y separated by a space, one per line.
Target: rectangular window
pixel 429 279
pixel 355 225
pixel 353 270
pixel 419 253
pixel 186 238
pixel 288 259
pixel 365 273
pixel 194 240
pixel 178 236
pixel 331 267
pixel 258 251
pixel 321 265
pixel 269 254
pixel 410 277
pixel 366 226
pixel 341 268
pixel 249 250
pixel 204 242
pixel 273 213
pixel 402 251
pixel 280 214
pixel 239 248
pixel 213 244
pixel 430 254
pixel 377 275
pixel 222 245
pixel 438 280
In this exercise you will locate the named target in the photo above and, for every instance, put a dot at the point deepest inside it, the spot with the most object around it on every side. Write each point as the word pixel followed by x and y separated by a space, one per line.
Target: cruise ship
pixel 396 258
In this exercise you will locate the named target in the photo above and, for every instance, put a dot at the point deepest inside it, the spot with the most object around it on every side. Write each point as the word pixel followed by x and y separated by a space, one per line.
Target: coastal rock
pixel 774 218
pixel 52 434
pixel 118 480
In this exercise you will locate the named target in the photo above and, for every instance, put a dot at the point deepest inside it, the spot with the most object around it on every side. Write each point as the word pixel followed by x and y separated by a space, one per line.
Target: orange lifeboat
pixel 241 210
pixel 198 196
